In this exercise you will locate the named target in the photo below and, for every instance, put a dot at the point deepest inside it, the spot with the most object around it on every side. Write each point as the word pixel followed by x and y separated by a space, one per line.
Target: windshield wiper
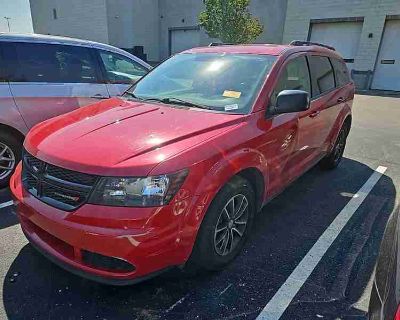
pixel 185 103
pixel 132 95
pixel 168 100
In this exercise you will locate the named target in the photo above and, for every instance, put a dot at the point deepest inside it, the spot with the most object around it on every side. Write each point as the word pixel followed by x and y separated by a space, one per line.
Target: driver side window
pixel 294 76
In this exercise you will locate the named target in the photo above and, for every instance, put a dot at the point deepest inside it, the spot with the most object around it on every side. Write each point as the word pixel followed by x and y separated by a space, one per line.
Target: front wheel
pixel 332 160
pixel 10 155
pixel 225 227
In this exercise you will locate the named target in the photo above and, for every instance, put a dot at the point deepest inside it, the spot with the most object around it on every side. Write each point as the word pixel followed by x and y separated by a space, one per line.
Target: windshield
pixel 220 82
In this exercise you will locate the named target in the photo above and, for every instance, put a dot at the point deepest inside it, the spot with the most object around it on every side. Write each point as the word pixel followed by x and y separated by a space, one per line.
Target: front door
pixel 300 137
pixel 50 79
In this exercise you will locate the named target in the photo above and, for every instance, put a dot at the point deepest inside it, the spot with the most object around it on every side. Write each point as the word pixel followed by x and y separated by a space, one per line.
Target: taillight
pixel 397 316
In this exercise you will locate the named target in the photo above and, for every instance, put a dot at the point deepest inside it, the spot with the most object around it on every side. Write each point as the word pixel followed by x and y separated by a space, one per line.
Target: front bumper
pixel 146 239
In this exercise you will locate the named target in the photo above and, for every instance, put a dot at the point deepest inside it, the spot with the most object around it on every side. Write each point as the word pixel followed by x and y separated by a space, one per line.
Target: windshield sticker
pixel 232 94
pixel 231 107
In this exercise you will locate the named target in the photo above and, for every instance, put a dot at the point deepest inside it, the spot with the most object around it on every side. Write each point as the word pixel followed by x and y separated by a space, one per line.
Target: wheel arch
pixel 13 131
pixel 255 177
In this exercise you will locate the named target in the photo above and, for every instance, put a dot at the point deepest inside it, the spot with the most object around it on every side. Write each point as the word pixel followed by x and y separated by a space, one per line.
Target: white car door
pixel 51 79
pixel 121 71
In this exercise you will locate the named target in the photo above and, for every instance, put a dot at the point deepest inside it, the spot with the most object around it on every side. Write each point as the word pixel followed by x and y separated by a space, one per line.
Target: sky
pixel 20 13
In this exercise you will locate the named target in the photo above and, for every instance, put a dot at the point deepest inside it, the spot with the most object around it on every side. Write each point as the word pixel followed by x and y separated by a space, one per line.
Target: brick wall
pixel 300 12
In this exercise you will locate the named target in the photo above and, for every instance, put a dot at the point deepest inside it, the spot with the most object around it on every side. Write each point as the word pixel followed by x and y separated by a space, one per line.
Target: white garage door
pixel 343 36
pixel 387 71
pixel 184 39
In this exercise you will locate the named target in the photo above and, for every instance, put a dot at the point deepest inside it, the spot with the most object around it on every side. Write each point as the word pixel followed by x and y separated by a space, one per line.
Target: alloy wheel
pixel 231 225
pixel 7 161
pixel 340 145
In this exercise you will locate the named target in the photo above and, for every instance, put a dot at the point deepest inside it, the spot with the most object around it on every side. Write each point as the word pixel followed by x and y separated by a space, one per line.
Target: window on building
pixel 341 72
pixel 294 76
pixel 322 76
pixel 120 69
pixel 54 14
pixel 54 63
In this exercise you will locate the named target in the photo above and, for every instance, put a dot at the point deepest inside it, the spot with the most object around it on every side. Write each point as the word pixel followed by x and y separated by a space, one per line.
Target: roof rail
pixel 216 44
pixel 309 43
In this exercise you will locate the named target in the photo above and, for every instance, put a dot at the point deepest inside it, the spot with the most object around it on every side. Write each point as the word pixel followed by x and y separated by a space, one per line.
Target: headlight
pixel 138 192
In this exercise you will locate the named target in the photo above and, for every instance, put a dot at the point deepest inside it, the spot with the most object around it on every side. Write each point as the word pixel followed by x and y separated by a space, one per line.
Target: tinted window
pixel 322 76
pixel 121 69
pixel 341 72
pixel 53 63
pixel 294 76
pixel 2 67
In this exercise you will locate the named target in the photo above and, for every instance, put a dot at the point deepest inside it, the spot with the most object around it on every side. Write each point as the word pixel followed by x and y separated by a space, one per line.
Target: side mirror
pixel 291 101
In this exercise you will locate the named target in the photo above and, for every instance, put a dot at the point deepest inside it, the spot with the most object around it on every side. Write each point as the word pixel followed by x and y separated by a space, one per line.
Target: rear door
pixel 120 71
pixel 9 114
pixel 324 102
pixel 51 79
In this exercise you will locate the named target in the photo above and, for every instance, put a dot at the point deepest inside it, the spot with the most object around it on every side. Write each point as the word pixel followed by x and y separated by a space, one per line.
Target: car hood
pixel 119 137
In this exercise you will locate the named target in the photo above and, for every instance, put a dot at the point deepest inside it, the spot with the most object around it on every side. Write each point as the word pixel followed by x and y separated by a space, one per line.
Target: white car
pixel 45 76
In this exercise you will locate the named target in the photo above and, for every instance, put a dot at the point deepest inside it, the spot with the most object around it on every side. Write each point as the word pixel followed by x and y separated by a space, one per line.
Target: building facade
pixel 365 32
pixel 159 27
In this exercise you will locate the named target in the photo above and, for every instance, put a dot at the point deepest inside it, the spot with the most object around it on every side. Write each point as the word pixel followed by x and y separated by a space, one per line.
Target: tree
pixel 230 21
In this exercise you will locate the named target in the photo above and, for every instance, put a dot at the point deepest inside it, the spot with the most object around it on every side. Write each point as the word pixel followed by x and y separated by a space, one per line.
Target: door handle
pixel 314 114
pixel 99 96
pixel 340 100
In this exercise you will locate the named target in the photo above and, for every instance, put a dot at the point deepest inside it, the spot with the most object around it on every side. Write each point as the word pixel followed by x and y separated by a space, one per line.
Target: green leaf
pixel 230 21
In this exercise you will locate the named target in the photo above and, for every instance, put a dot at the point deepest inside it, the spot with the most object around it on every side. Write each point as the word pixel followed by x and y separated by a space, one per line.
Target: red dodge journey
pixel 173 172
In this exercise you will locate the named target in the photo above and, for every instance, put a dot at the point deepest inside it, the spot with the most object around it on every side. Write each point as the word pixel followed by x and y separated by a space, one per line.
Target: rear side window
pixel 322 76
pixel 341 72
pixel 54 63
pixel 121 69
pixel 294 76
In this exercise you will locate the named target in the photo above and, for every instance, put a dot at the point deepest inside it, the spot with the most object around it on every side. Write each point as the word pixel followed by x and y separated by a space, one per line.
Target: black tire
pixel 332 160
pixel 14 145
pixel 204 255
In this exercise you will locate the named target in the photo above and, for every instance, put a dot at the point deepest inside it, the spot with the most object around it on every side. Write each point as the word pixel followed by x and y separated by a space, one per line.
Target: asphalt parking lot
pixel 289 226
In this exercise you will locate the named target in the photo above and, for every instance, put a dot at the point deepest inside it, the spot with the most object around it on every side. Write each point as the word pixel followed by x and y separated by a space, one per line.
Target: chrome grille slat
pixel 61 188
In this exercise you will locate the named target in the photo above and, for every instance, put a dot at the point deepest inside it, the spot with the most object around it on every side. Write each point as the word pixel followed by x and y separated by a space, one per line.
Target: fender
pixel 344 113
pixel 209 186
pixel 14 123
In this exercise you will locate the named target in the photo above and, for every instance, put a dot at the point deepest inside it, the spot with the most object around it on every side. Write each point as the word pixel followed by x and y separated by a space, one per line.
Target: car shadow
pixel 283 234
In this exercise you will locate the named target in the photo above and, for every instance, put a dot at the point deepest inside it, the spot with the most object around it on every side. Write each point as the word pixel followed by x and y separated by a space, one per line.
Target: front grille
pixel 61 188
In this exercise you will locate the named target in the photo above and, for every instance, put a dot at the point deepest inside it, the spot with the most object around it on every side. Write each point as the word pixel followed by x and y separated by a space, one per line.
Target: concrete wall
pixel 178 13
pixel 184 13
pixel 272 14
pixel 134 23
pixel 300 12
pixel 75 18
pixel 128 23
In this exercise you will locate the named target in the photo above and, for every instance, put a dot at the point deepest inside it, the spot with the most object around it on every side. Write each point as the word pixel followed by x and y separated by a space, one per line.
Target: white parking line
pixel 282 298
pixel 6 204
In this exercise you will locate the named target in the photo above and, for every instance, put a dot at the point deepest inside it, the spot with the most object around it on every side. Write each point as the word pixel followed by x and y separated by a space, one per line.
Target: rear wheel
pixel 10 155
pixel 332 160
pixel 225 227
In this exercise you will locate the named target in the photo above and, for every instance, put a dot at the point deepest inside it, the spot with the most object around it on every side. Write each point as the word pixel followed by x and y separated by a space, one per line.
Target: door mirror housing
pixel 291 101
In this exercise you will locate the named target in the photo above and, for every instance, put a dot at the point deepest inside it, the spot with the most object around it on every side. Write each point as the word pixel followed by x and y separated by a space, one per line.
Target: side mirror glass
pixel 291 101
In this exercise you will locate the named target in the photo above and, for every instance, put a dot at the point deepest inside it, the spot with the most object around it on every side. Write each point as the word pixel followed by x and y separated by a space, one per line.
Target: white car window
pixel 121 69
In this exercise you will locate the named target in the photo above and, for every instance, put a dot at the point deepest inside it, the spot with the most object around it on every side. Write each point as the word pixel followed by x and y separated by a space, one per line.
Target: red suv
pixel 173 172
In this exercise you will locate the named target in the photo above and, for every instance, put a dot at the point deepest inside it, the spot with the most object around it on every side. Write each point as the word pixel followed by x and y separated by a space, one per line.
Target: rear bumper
pixel 67 237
